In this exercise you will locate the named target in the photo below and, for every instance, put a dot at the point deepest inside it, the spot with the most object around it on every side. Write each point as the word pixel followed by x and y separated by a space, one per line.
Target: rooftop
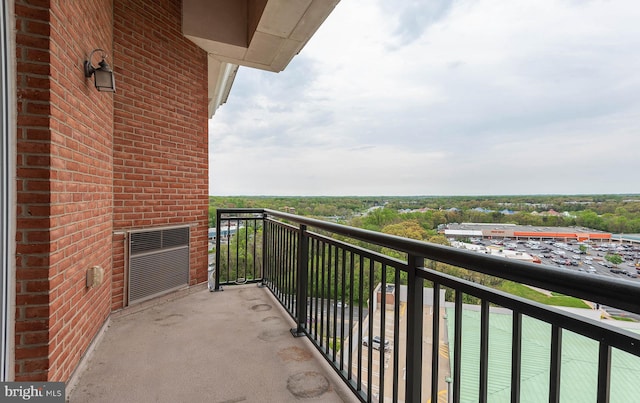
pixel 579 359
pixel 515 227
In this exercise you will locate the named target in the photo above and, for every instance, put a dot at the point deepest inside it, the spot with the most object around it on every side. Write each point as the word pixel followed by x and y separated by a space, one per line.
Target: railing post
pixel 265 250
pixel 302 281
pixel 415 294
pixel 218 232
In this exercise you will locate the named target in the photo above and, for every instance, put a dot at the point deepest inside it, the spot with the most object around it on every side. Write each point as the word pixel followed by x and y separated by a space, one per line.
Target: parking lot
pixel 588 257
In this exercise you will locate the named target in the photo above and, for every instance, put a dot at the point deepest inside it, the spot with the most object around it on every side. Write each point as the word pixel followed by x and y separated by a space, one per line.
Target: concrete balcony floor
pixel 199 346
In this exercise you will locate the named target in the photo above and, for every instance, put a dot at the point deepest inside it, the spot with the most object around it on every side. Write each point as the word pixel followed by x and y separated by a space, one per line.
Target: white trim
pixel 7 188
pixel 221 76
pixel 227 76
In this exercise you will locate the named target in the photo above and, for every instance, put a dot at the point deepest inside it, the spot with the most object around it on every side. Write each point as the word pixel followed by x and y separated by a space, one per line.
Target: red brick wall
pixel 91 164
pixel 160 128
pixel 64 184
pixel 117 278
pixel 32 185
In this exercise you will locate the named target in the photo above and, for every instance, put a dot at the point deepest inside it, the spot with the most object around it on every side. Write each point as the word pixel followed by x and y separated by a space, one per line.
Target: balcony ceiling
pixel 263 34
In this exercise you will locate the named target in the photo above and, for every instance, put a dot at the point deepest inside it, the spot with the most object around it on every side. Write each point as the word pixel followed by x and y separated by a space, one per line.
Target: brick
pixel 31 299
pixel 34 352
pixel 36 287
pixel 35 338
pixel 34 366
pixel 31 376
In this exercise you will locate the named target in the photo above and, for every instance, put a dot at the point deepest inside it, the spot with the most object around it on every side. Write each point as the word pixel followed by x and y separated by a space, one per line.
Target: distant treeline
pixel 611 213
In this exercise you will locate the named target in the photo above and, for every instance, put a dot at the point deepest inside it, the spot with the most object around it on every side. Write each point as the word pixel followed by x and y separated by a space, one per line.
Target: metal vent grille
pixel 158 262
pixel 145 241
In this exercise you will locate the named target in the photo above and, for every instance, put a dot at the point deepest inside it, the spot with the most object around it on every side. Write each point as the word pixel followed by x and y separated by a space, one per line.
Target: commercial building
pixel 512 231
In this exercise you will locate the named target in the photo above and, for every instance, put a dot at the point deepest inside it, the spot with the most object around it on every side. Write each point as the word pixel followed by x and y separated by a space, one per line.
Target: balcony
pixel 198 346
pixel 336 313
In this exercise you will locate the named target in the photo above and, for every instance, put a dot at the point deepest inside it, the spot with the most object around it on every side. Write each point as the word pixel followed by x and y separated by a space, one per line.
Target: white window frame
pixel 7 188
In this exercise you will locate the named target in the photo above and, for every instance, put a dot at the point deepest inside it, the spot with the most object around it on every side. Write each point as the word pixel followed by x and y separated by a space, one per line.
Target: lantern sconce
pixel 102 75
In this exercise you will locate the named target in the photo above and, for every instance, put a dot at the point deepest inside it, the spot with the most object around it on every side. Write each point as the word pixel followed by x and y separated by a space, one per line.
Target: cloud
pixel 459 97
pixel 305 171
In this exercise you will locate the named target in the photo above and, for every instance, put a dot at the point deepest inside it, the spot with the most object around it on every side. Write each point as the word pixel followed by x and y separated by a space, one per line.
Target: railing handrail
pixel 607 291
pixel 303 257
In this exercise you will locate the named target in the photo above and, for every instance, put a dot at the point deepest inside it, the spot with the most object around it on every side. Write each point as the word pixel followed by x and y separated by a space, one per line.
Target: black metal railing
pixel 239 242
pixel 362 297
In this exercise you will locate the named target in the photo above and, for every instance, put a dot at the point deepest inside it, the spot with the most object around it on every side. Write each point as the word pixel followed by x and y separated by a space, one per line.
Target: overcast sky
pixel 462 97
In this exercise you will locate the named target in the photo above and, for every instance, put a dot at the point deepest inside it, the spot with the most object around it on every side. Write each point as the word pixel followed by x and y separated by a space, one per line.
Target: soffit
pixel 263 34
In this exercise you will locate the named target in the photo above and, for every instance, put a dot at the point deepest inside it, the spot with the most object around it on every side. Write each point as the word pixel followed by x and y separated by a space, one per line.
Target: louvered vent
pixel 158 262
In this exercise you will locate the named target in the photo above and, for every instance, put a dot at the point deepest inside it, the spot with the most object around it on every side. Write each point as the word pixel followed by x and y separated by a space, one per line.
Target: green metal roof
pixel 578 368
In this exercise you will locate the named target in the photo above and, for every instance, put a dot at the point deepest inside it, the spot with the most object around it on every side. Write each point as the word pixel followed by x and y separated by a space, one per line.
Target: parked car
pixel 376 343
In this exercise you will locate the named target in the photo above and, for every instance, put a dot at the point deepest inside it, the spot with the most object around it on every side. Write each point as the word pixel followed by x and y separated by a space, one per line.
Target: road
pixel 388 365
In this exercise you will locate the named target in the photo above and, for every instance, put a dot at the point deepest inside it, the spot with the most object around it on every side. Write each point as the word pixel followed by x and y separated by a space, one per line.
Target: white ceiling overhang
pixel 263 34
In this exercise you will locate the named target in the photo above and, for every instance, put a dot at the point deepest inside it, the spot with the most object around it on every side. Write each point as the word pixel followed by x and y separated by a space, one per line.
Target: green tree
pixel 212 216
pixel 379 218
pixel 439 239
pixel 241 255
pixel 590 219
pixel 406 229
pixel 438 218
pixel 615 259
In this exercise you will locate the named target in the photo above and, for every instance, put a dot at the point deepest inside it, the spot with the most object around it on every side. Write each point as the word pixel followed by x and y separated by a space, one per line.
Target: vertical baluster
pixel 435 342
pixel 383 329
pixel 604 372
pixel 218 267
pixel 370 297
pixel 318 289
pixel 229 251
pixel 301 291
pixel 484 350
pixel 266 249
pixel 516 357
pixel 342 298
pixel 360 313
pixel 246 248
pixel 237 235
pixel 457 347
pixel 414 330
pixel 322 292
pixel 335 265
pixel 351 290
pixel 396 333
pixel 556 360
pixel 255 276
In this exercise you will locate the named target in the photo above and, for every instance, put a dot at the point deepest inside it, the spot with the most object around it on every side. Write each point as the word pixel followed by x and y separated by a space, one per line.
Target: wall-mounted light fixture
pixel 102 75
